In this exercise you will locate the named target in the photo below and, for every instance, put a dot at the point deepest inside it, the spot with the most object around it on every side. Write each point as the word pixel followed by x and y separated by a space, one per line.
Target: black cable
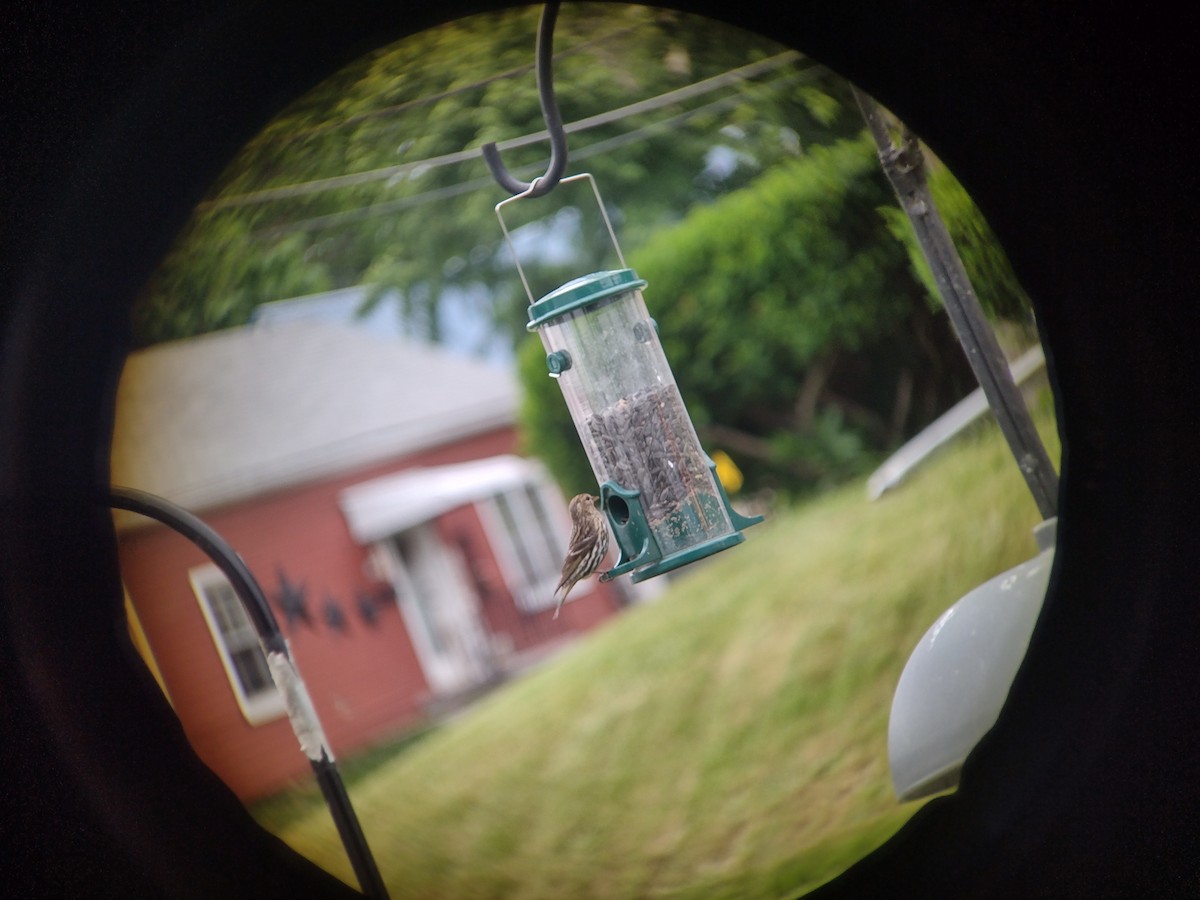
pixel 216 548
pixel 554 125
pixel 349 179
pixel 254 601
pixel 427 99
pixel 387 207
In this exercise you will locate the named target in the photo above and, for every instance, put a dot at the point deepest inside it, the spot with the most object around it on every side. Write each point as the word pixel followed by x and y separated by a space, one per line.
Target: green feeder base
pixel 638 548
pixel 690 555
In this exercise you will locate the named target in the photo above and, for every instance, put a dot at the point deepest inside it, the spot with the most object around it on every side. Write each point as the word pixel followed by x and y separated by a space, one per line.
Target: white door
pixel 440 610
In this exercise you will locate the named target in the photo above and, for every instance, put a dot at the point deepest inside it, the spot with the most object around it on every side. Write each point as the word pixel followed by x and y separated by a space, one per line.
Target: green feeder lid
pixel 582 291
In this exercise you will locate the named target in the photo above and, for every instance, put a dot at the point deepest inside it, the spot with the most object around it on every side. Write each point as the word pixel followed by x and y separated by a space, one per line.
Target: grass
pixel 727 740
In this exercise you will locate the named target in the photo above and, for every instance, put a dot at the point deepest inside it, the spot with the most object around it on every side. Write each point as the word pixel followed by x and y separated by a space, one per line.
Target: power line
pixel 358 214
pixel 395 109
pixel 335 182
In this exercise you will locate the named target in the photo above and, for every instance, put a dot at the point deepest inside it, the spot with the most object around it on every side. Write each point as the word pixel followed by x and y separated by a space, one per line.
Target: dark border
pixel 1071 125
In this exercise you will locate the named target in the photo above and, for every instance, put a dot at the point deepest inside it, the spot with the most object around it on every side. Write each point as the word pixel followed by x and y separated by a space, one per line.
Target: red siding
pixel 462 529
pixel 366 682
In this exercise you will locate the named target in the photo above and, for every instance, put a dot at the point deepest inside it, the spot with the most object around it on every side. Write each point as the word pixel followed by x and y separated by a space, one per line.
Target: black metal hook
pixel 554 125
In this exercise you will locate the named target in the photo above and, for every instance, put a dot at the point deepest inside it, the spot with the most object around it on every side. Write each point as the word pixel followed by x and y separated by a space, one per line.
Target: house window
pixel 238 646
pixel 529 528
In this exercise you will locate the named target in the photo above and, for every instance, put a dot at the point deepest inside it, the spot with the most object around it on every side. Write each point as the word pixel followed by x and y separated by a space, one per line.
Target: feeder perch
pixel 664 503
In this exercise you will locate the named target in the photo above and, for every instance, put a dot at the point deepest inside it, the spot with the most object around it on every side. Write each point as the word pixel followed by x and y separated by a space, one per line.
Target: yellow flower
pixel 728 472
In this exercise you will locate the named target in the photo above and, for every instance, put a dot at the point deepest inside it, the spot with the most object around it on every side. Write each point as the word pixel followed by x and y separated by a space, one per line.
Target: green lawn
pixel 727 740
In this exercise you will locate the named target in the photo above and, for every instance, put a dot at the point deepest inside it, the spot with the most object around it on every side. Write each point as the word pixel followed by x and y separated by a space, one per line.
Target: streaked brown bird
pixel 589 544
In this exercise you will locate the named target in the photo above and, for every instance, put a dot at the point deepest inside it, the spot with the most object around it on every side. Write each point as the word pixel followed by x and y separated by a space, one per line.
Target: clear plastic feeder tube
pixel 660 491
pixel 626 407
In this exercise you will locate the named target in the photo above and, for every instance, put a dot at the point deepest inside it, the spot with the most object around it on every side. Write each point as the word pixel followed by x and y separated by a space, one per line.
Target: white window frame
pixel 265 704
pixel 531 545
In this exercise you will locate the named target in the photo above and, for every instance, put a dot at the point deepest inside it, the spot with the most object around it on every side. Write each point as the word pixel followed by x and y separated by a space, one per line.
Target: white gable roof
pixel 224 416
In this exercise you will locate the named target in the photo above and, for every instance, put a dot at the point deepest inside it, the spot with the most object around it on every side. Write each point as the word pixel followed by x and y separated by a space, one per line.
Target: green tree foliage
pixel 226 275
pixel 801 338
pixel 991 274
pixel 413 229
pixel 547 431
pixel 756 287
pixel 790 315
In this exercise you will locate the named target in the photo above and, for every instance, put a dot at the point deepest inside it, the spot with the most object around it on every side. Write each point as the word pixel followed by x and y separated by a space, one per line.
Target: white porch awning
pixel 384 506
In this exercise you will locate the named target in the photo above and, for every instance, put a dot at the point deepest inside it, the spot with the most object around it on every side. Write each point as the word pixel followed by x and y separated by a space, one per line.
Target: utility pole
pixel 904 167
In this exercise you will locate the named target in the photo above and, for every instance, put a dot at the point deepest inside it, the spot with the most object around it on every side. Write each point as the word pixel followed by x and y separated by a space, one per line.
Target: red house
pixel 371 485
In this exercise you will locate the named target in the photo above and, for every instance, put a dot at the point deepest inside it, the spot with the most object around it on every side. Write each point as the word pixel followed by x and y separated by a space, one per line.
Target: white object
pixel 958 677
pixel 944 428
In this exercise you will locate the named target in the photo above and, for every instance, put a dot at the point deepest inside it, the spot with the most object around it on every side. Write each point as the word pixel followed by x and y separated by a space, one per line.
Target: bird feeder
pixel 659 490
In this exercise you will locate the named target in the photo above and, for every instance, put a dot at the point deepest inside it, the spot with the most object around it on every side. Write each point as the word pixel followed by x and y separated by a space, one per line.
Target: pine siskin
pixel 589 544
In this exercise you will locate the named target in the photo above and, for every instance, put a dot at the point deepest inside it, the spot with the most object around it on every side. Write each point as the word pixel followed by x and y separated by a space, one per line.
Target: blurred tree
pixel 801 337
pixel 1000 294
pixel 802 342
pixel 226 274
pixel 339 191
